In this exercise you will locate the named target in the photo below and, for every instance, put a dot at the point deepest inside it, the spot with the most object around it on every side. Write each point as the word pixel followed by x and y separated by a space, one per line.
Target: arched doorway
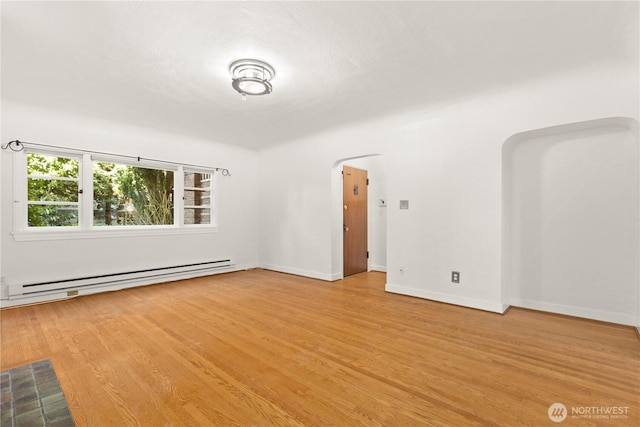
pixel 375 165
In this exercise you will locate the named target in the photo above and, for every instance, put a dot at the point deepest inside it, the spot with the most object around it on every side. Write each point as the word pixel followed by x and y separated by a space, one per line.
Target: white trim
pixel 336 276
pixel 568 310
pixel 53 151
pixel 86 197
pixel 53 178
pixel 196 207
pixel 448 298
pixel 210 189
pixel 178 196
pixel 109 232
pixel 20 209
pixel 382 268
pixel 214 199
pixel 129 161
pixel 51 203
pixel 300 272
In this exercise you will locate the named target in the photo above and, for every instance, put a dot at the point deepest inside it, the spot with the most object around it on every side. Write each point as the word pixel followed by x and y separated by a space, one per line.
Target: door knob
pixel 345 228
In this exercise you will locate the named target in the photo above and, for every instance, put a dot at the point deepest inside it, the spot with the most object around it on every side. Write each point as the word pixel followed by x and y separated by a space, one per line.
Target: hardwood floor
pixel 260 348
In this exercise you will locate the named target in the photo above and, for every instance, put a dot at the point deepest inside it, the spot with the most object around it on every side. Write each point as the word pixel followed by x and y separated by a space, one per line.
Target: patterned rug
pixel 30 396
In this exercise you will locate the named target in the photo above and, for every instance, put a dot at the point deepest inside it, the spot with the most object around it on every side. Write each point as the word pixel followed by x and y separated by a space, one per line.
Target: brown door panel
pixel 354 196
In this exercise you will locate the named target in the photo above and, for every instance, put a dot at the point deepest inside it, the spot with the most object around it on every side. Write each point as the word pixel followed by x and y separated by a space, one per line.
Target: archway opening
pixel 571 220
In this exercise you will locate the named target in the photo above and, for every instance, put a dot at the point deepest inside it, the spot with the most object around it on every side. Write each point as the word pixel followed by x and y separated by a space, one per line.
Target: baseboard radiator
pixel 150 275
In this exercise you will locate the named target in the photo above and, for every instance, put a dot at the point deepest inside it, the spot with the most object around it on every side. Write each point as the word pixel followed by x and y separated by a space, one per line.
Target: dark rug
pixel 30 396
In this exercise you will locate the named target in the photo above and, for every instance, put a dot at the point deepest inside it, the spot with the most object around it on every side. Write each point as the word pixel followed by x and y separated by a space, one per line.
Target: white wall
pixel 29 262
pixel 571 220
pixel 446 161
pixel 300 201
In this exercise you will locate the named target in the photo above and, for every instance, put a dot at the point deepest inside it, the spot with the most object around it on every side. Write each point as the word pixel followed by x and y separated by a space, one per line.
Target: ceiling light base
pixel 251 77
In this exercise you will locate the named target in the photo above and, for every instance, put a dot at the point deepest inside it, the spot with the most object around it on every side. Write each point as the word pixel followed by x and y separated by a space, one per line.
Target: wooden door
pixel 354 197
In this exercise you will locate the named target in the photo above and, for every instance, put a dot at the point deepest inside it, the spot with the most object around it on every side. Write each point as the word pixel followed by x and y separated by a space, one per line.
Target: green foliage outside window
pixel 52 187
pixel 131 195
pixel 122 194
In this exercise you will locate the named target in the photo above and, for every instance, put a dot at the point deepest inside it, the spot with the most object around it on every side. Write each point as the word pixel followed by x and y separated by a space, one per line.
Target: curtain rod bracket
pixel 14 145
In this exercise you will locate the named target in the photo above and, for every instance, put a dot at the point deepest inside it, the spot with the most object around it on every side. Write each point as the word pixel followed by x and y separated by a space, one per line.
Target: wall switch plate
pixel 404 204
pixel 455 277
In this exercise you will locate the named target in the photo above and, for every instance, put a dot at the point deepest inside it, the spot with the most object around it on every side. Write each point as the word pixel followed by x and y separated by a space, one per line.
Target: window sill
pixel 105 233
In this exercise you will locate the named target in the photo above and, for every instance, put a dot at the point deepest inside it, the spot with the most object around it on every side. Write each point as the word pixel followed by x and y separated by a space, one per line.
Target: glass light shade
pixel 253 87
pixel 251 77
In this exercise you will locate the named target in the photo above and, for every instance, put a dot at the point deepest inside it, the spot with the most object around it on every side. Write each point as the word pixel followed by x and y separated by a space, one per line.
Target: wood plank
pixel 260 348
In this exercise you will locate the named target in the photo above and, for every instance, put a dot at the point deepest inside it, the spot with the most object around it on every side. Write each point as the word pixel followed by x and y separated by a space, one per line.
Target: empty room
pixel 320 213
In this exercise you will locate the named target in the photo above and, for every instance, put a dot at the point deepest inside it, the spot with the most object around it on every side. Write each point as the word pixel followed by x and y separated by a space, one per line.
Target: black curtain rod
pixel 17 145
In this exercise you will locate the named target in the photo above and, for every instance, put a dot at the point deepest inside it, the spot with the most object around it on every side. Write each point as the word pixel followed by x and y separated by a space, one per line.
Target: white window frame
pixel 212 202
pixel 138 164
pixel 85 228
pixel 21 192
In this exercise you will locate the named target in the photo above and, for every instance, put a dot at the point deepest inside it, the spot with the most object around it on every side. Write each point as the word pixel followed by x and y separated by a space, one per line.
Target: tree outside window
pixel 131 195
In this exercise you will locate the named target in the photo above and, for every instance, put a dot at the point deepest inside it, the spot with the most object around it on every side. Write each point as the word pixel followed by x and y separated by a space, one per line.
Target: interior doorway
pixel 355 220
pixel 376 167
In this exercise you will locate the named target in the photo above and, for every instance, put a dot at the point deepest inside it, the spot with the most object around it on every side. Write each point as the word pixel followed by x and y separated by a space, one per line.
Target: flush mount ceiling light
pixel 251 77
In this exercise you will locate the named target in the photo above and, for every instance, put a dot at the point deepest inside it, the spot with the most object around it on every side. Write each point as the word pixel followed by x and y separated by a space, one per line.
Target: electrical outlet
pixel 455 277
pixel 401 269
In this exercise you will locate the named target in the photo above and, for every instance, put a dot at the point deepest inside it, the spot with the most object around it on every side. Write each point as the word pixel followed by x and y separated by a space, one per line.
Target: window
pixel 197 198
pixel 52 191
pixel 61 191
pixel 131 195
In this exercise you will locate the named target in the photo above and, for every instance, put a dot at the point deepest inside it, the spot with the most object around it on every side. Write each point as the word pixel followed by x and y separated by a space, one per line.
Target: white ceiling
pixel 165 64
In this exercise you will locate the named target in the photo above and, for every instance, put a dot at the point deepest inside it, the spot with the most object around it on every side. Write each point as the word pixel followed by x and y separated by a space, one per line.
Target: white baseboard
pixel 336 276
pixel 300 272
pixel 249 266
pixel 382 268
pixel 494 307
pixel 587 313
